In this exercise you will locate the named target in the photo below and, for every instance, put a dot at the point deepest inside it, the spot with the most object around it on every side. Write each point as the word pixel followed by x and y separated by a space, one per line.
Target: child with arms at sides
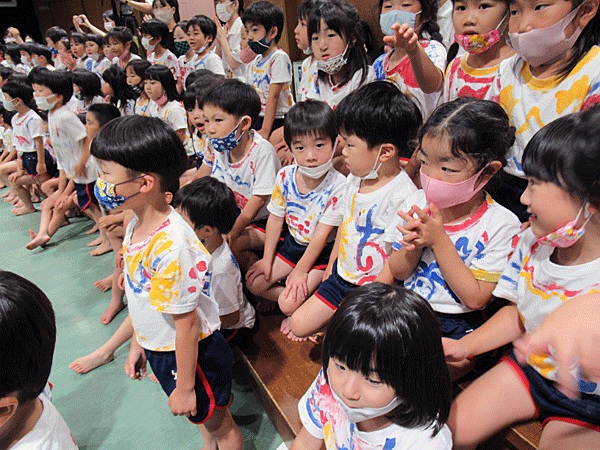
pixel 154 35
pixel 122 46
pixel 202 32
pixel 135 72
pixel 183 47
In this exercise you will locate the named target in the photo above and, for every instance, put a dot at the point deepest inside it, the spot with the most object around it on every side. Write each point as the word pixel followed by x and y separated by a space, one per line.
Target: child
pixel 77 41
pixel 383 384
pixel 154 35
pixel 482 33
pixel 26 58
pixel 183 48
pixel 337 41
pixel 42 57
pixel 229 36
pixel 455 239
pixel 367 120
pixel 116 90
pixel 243 160
pixel 135 71
pixel 97 62
pixel 122 46
pixel 201 32
pixel 418 58
pixel 9 153
pixel 271 72
pixel 306 198
pixel 142 157
pixel 553 263
pixel 551 75
pixel 209 207
pixel 309 66
pixel 86 90
pixel 28 419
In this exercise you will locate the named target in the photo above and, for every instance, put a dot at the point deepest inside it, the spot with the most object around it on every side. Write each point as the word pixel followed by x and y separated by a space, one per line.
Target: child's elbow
pixel 477 302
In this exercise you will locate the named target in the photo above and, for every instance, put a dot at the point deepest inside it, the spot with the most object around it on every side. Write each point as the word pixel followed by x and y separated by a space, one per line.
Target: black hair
pixel 66 42
pixel 18 90
pixel 172 4
pixel 27 337
pixel 181 24
pixel 80 38
pixel 5 72
pixel 28 47
pixel 88 83
pixel 429 19
pixel 310 117
pixel 378 113
pixel 156 29
pixel 55 34
pixel 14 52
pixel 206 25
pixel 163 74
pixel 116 78
pixel 122 35
pixel 343 18
pixel 566 152
pixel 393 331
pixel 266 14
pixel 143 145
pixel 306 8
pixel 96 39
pixel 139 66
pixel 104 112
pixel 7 116
pixel 208 201
pixel 108 14
pixel 202 82
pixel 40 50
pixel 58 81
pixel 19 77
pixel 477 128
pixel 234 97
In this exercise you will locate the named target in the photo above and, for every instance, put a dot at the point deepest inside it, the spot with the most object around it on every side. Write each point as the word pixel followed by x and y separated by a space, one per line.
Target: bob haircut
pixel 18 90
pixel 104 112
pixel 266 14
pixel 234 97
pixel 200 84
pixel 208 201
pixel 78 38
pixel 203 76
pixel 14 52
pixel 122 35
pixel 27 337
pixel 55 34
pixel 88 83
pixel 206 25
pixel 309 118
pixel 373 112
pixel 157 29
pixel 163 74
pixel 477 128
pixel 5 72
pixel 566 152
pixel 142 145
pixel 96 39
pixel 116 78
pixel 392 331
pixel 139 66
pixel 40 50
pixel 58 81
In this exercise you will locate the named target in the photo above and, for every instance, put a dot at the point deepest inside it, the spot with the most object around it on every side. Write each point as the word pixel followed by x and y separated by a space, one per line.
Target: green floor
pixel 105 409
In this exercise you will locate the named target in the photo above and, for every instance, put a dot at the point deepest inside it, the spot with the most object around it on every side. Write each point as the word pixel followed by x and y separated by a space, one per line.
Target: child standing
pixel 116 90
pixel 384 384
pixel 121 43
pixel 229 36
pixel 367 120
pixel 176 325
pixel 135 72
pixel 86 91
pixel 557 259
pixel 97 62
pixel 154 35
pixel 202 31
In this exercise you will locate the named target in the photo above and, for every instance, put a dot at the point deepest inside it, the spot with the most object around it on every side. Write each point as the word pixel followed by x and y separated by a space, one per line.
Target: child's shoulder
pixel 224 262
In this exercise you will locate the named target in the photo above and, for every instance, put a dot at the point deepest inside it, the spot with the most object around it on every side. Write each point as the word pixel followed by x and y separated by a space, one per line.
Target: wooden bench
pixel 280 371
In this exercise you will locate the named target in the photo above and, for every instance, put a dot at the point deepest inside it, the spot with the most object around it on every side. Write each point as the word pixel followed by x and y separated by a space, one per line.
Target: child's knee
pixel 287 305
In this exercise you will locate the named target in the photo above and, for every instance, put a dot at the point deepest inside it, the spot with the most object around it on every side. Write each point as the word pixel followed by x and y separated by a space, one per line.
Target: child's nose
pixel 350 389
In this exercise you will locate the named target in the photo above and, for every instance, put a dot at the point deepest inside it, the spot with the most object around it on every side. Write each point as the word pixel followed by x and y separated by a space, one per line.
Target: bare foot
pixel 16 202
pixel 105 284
pixel 101 249
pixel 32 235
pixel 6 194
pixel 93 229
pixel 265 305
pixel 70 213
pixel 95 242
pixel 35 198
pixel 113 309
pixel 22 210
pixel 285 329
pixel 10 196
pixel 39 241
pixel 90 362
pixel 153 378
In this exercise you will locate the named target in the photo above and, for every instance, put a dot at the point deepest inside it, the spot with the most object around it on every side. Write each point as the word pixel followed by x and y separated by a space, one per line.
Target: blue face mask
pixel 106 193
pixel 389 18
pixel 53 51
pixel 227 143
pixel 259 47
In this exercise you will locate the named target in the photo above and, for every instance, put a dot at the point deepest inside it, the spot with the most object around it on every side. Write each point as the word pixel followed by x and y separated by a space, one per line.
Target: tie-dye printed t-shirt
pixel 309 73
pixel 532 103
pixel 538 286
pixel 462 80
pixel 332 94
pixel 303 212
pixel 324 418
pixel 277 68
pixel 211 61
pixel 166 274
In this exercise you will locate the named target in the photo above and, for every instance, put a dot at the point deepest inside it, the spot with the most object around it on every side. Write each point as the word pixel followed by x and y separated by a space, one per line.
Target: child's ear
pixel 272 33
pixel 149 181
pixel 387 151
pixel 246 123
pixel 490 170
pixel 205 231
pixel 127 45
pixel 8 407
pixel 588 11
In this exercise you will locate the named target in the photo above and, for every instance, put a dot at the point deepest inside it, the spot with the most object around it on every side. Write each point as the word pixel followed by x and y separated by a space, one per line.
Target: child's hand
pixel 404 37
pixel 231 237
pixel 13 32
pixel 15 175
pixel 80 169
pixel 148 17
pixel 221 33
pixel 119 264
pixel 296 285
pixel 183 402
pixel 426 231
pixel 84 18
pixel 260 267
pixel 121 281
pixel 106 221
pixel 454 351
pixel 135 366
pixel 40 167
pixel 286 157
pixel 410 229
pixel 61 201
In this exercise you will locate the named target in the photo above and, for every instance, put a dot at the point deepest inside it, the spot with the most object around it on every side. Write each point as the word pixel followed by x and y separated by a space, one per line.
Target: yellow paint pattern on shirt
pixel 507 100
pixel 277 197
pixel 342 254
pixel 576 93
pixel 535 113
pixel 165 286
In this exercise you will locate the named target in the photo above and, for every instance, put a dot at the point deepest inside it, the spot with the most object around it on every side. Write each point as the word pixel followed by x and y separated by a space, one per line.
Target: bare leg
pixel 558 435
pixel 310 317
pixel 105 284
pixel 21 188
pixel 95 242
pixel 221 432
pixel 116 301
pixel 94 213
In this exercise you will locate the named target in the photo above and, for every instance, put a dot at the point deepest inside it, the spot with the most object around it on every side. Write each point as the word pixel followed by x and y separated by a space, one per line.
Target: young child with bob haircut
pixel 28 420
pixel 176 326
pixel 154 37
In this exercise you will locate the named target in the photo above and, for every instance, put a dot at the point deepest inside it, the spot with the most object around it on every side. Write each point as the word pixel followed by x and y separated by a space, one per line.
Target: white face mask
pixel 94 56
pixel 25 60
pixel 108 26
pixel 9 105
pixel 334 64
pixel 222 13
pixel 43 103
pixel 147 45
pixel 164 16
pixel 373 174
pixel 319 171
pixel 204 47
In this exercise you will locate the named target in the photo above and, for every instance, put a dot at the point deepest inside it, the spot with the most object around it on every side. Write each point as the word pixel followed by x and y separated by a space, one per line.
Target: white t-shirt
pixel 167 274
pixel 309 73
pixel 369 227
pixel 173 113
pixel 68 134
pixel 538 286
pixel 98 67
pixel 25 129
pixel 276 68
pixel 324 418
pixel 255 174
pixel 49 433
pixel 234 38
pixel 183 67
pixel 211 61
pixel 484 242
pixel 78 106
pixel 226 287
pixel 303 212
pixel 462 80
pixel 444 16
pixel 167 59
pixel 8 139
pixel 327 92
pixel 119 63
pixel 146 107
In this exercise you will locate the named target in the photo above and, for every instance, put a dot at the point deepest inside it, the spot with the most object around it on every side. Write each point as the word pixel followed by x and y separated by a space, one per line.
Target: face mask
pixel 94 56
pixel 147 45
pixel 567 235
pixel 182 47
pixel 201 49
pixel 247 55
pixel 319 171
pixel 137 88
pixel 545 45
pixel 25 60
pixel 478 43
pixel 108 26
pixel 373 174
pixel 9 40
pixel 106 193
pixel 124 55
pixel 163 16
pixel 307 51
pixel 334 64
pixel 9 105
pixel 259 47
pixel 34 62
pixel 78 95
pixel 160 101
pixel 227 143
pixel 444 195
pixel 43 103
pixel 386 20
pixel 222 13
pixel 53 51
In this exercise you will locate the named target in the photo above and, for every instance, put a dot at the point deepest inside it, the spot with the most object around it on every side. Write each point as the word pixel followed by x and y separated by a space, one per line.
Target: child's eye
pixel 340 367
pixel 513 12
pixel 540 7
pixel 448 169
pixel 484 6
pixel 373 382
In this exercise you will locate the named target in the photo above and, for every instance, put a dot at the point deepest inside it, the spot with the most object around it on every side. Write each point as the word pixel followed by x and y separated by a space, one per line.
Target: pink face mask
pixel 247 55
pixel 479 43
pixel 567 235
pixel 444 195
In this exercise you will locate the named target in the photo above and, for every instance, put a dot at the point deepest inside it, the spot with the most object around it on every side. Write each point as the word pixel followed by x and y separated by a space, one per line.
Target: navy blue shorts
pixel 213 374
pixel 260 225
pixel 30 160
pixel 333 290
pixel 551 404
pixel 290 252
pixel 85 195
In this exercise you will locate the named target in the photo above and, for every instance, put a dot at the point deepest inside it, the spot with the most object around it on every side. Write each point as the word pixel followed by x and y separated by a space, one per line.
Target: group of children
pixel 418 169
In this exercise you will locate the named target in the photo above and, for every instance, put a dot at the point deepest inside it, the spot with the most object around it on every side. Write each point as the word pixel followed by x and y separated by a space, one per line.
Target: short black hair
pixel 206 25
pixel 139 66
pixel 310 117
pixel 40 50
pixel 163 74
pixel 306 8
pixel 122 35
pixel 14 52
pixel 234 97
pixel 200 84
pixel 5 72
pixel 393 331
pixel 80 38
pixel 55 34
pixel 18 90
pixel 7 116
pixel 66 42
pixel 157 29
pixel 208 201
pixel 88 83
pixel 142 145
pixel 203 76
pixel 58 81
pixel 28 47
pixel 96 39
pixel 19 77
pixel 27 337
pixel 104 112
pixel 378 113
pixel 266 14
